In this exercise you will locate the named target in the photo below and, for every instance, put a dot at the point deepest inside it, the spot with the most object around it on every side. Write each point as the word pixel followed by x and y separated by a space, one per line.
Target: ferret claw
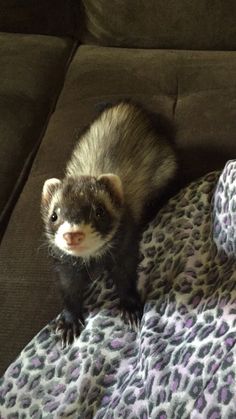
pixel 68 330
pixel 133 319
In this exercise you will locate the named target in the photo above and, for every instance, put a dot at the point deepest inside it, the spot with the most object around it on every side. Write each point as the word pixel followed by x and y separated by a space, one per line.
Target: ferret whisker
pixel 42 246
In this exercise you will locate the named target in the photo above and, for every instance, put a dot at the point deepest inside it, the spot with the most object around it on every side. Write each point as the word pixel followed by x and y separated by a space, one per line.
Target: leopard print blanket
pixel 181 363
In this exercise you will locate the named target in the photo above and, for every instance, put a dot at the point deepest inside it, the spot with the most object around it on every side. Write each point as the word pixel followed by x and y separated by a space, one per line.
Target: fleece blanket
pixel 181 363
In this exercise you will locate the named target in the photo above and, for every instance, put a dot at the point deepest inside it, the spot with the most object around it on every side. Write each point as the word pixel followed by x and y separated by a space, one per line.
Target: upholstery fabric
pixel 32 69
pixel 182 24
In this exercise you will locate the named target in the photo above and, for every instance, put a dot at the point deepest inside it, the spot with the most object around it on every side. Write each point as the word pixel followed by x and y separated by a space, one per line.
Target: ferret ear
pixel 49 187
pixel 114 184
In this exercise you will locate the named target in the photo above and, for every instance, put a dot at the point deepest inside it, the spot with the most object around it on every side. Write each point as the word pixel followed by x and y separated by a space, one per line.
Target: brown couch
pixel 58 61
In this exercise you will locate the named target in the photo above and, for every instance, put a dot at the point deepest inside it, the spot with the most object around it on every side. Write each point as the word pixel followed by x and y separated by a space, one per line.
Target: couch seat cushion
pixel 32 70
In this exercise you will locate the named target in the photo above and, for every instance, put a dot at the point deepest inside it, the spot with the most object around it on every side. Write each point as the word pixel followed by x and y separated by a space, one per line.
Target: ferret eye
pixel 100 211
pixel 54 217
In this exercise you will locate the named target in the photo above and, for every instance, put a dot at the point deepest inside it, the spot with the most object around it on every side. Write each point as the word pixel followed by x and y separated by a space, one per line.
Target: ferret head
pixel 82 214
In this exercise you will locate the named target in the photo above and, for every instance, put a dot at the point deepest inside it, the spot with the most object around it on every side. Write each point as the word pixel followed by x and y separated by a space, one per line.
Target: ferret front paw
pixel 68 328
pixel 131 312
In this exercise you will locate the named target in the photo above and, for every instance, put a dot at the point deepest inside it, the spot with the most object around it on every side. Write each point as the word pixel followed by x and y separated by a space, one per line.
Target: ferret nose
pixel 74 238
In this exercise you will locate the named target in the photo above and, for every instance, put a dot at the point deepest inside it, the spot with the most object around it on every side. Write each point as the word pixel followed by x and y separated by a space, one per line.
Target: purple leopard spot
pixel 54 356
pixel 21 382
pixel 59 388
pixel 230 379
pixel 108 379
pixel 6 389
pixel 105 400
pixel 223 329
pixel 75 373
pixel 214 367
pixel 224 394
pixel 158 366
pixel 162 396
pixel 226 220
pixel 230 341
pixel 51 406
pixel 36 362
pixel 219 352
pixel 70 398
pixel 115 401
pixel 191 335
pixel 215 415
pixel 196 300
pixel 217 227
pixel 186 359
pixel 189 323
pixel 211 385
pixel 25 402
pixel 175 385
pixel 117 344
pixel 199 403
pixel 15 371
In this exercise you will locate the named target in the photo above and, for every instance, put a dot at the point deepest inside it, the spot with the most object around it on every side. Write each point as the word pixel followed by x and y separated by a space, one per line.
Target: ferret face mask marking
pixel 82 215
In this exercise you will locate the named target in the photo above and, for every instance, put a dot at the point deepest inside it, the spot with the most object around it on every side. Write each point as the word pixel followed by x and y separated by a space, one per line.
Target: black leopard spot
pixel 177 338
pixel 149 385
pixel 36 362
pixel 179 411
pixel 142 414
pixel 161 398
pixel 11 401
pixel 229 378
pixel 34 382
pixel 196 369
pixel 222 329
pixel 230 341
pixel 15 370
pixel 200 404
pixel 214 413
pixel 129 397
pixel 224 395
pixel 150 251
pixel 25 401
pixel 212 384
pixel 161 415
pixel 165 379
pixel 204 350
pixel 196 388
pixel 196 298
pixel 206 331
pixel 219 204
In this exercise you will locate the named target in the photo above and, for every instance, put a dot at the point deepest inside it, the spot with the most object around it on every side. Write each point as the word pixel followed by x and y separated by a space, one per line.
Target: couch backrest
pixel 177 24
pixel 170 24
pixel 47 17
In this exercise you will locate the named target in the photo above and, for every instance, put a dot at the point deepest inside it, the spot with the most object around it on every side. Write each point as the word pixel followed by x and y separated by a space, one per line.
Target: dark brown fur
pixel 123 142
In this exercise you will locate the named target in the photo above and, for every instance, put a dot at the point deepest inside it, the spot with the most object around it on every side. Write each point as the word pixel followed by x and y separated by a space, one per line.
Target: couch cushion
pixel 32 70
pixel 183 24
pixel 196 90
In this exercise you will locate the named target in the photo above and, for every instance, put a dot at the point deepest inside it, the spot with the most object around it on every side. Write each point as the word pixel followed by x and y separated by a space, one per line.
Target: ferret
pixel 94 215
